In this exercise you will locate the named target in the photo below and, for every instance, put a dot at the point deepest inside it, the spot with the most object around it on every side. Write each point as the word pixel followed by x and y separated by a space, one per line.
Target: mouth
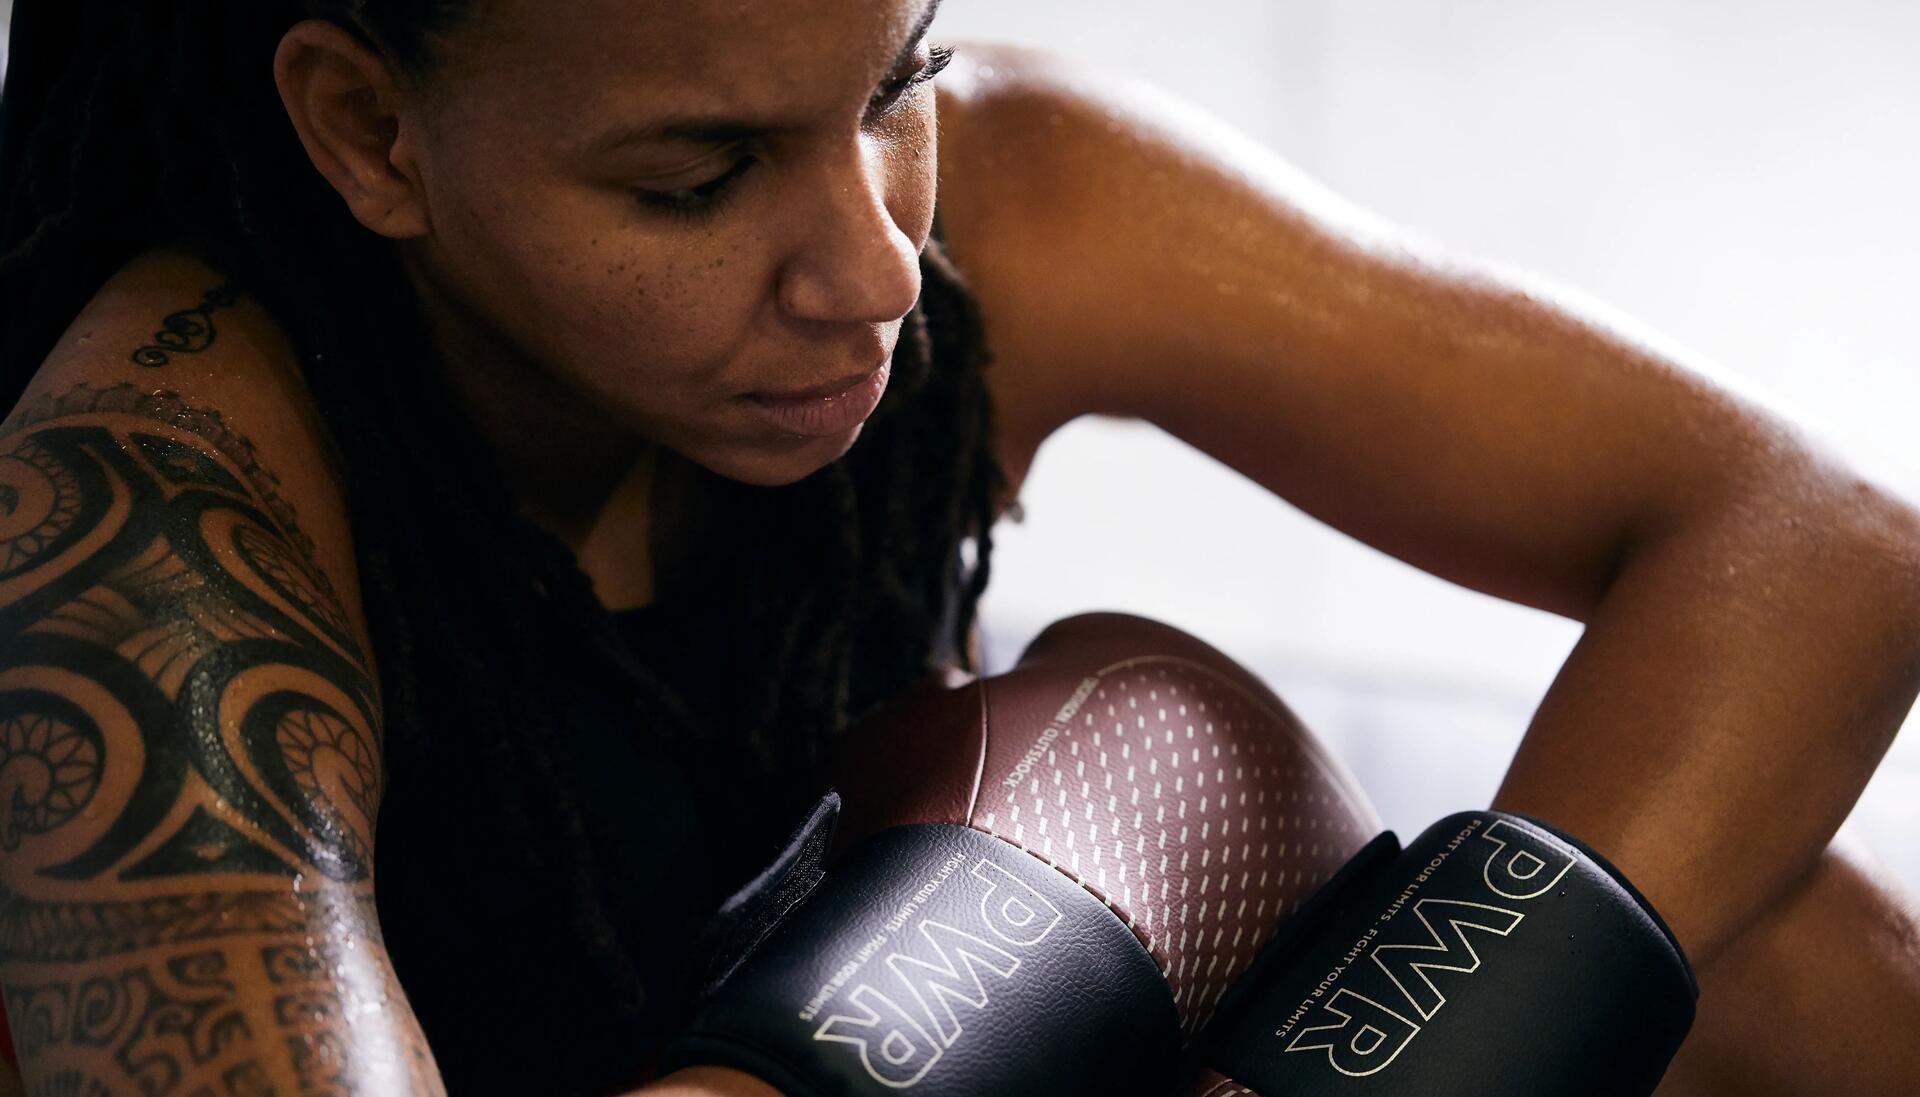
pixel 824 410
pixel 817 392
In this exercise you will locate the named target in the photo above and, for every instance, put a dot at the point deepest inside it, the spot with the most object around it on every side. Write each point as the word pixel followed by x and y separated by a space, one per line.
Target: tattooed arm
pixel 190 735
pixel 190 738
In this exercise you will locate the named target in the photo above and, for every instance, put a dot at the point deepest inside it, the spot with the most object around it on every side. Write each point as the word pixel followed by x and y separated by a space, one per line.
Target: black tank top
pixel 672 827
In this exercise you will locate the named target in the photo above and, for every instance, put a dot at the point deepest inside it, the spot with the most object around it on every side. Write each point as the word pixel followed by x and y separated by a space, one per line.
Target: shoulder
pixel 169 319
pixel 1020 127
pixel 171 340
pixel 1082 207
pixel 180 617
pixel 1007 150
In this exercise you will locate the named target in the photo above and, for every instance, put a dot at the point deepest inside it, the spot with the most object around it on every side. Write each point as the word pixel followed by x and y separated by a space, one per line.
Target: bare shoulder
pixel 993 116
pixel 168 314
pixel 1058 184
pixel 170 339
pixel 187 667
pixel 167 319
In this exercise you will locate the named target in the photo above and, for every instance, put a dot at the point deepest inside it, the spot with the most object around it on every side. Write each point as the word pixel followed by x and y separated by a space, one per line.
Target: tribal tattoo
pixel 190 766
pixel 189 331
pixel 140 584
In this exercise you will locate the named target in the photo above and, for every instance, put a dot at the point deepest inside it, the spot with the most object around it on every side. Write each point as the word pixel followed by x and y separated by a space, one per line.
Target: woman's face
pixel 668 210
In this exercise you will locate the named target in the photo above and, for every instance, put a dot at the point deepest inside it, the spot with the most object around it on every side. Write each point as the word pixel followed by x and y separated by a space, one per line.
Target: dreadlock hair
pixel 129 126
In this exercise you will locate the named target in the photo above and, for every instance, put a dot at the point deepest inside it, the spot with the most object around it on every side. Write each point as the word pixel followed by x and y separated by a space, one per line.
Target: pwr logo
pixel 1363 1034
pixel 909 1020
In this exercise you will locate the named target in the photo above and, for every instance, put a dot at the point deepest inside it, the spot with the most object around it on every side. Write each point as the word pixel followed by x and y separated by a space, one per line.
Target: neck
pixel 567 466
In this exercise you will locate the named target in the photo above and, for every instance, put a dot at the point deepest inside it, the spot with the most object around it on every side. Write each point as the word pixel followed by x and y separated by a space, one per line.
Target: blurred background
pixel 1739 176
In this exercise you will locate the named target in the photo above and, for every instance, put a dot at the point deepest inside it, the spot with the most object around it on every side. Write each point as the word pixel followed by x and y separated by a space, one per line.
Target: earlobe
pixel 343 103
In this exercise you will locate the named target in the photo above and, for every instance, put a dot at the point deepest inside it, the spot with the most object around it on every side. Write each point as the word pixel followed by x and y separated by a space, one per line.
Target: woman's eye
pixel 698 201
pixel 703 200
pixel 891 93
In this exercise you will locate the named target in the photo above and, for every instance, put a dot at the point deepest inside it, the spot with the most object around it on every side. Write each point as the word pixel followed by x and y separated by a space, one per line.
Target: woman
pixel 501 316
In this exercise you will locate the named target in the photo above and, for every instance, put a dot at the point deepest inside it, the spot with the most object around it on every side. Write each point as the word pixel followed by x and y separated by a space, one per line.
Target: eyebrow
pixel 707 129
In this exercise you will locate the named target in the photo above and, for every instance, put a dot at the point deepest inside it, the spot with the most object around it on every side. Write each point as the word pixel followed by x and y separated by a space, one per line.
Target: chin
pixel 775 466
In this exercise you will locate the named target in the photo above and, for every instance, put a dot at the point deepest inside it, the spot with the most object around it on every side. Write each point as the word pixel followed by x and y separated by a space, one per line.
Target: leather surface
pixel 1171 782
pixel 753 912
pixel 936 959
pixel 915 760
pixel 1125 760
pixel 1210 1083
pixel 1494 957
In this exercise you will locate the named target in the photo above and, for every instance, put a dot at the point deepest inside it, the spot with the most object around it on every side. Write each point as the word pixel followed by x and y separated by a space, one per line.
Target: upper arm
pixel 1136 258
pixel 190 741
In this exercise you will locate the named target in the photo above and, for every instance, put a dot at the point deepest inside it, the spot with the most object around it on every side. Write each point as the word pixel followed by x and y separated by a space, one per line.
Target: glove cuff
pixel 939 959
pixel 1493 956
pixel 1594 855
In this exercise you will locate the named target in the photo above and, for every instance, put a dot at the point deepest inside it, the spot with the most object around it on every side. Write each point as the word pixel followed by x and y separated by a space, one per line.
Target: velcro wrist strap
pixel 1493 957
pixel 937 960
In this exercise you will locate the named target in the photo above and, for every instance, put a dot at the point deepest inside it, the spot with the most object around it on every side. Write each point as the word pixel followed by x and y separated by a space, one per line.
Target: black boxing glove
pixel 1042 880
pixel 1496 956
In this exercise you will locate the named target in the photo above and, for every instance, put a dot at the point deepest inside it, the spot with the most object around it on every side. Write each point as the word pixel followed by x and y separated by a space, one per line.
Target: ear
pixel 345 105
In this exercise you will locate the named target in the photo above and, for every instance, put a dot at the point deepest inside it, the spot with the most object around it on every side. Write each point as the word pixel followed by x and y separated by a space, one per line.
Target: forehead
pixel 614 58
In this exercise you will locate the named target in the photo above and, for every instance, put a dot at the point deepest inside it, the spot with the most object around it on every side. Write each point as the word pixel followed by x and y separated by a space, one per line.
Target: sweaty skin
pixel 562 296
pixel 194 756
pixel 1752 599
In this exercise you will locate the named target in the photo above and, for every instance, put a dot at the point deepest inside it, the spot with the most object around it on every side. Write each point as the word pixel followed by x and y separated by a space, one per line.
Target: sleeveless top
pixel 672 826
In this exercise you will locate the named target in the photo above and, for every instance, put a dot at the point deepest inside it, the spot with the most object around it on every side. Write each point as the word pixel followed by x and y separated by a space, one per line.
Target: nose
pixel 853 264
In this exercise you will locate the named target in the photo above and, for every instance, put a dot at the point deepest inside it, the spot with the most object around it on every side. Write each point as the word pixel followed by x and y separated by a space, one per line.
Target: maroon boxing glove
pixel 1142 763
pixel 1014 853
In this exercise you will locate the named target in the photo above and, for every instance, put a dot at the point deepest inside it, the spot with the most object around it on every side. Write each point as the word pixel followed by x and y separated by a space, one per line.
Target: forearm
pixel 1736 687
pixel 218 992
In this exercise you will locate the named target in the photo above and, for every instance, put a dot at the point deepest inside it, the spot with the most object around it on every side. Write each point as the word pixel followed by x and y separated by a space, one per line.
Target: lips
pixel 815 392
pixel 832 389
pixel 825 410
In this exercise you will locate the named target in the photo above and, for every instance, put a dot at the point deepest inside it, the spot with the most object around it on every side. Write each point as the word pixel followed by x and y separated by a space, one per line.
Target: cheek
pixel 683 309
pixel 913 170
pixel 599 296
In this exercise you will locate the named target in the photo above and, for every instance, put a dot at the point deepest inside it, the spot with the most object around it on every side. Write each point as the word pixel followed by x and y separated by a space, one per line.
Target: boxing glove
pixel 1494 957
pixel 1041 881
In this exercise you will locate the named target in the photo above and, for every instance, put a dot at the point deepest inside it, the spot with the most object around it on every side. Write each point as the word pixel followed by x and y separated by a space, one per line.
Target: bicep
pixel 190 750
pixel 178 670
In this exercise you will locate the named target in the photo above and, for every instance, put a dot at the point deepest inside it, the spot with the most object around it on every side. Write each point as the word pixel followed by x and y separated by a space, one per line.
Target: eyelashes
pixel 703 200
pixel 938 58
pixel 697 202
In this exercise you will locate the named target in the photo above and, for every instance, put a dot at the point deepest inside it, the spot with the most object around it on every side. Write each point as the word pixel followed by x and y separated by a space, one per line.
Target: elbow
pixel 1855 540
pixel 1885 526
pixel 1795 527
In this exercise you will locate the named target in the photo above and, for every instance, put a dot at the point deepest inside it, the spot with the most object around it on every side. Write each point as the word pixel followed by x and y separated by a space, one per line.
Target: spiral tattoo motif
pixel 190 764
pixel 99 1010
pixel 148 590
pixel 189 331
pixel 334 765
pixel 155 1024
pixel 49 769
pixel 40 503
pixel 294 578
